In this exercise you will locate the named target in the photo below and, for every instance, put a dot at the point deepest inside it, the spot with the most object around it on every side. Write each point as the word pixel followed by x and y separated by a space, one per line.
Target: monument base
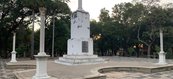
pixel 13 57
pixel 41 67
pixel 79 59
pixel 162 59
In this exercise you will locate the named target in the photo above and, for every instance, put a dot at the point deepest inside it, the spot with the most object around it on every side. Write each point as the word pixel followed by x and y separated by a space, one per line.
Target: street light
pixel 97 37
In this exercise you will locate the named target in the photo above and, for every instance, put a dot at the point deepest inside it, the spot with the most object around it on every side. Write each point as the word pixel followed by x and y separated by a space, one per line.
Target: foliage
pixel 132 24
pixel 62 34
pixel 12 16
pixel 15 17
pixel 129 27
pixel 131 50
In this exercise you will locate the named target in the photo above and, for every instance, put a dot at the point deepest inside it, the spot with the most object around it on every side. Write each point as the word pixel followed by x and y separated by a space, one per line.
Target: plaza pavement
pixel 137 75
pixel 5 73
pixel 83 71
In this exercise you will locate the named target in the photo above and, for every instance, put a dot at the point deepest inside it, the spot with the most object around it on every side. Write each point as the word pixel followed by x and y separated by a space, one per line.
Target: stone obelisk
pixel 80 45
pixel 41 58
pixel 13 53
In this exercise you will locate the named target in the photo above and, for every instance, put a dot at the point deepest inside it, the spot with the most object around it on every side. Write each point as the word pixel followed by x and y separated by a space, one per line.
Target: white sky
pixel 94 6
pixel 166 1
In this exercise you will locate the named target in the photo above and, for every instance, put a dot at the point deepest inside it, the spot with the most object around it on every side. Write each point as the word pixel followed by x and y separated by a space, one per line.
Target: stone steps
pixel 77 60
pixel 80 56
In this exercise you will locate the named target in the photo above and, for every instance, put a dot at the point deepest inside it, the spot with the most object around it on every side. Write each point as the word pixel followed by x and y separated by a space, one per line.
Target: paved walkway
pixel 137 75
pixel 133 75
pixel 5 73
pixel 79 72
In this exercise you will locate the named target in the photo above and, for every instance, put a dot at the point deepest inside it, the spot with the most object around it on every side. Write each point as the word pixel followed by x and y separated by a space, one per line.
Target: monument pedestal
pixel 80 52
pixel 13 56
pixel 162 59
pixel 80 47
pixel 41 67
pixel 79 59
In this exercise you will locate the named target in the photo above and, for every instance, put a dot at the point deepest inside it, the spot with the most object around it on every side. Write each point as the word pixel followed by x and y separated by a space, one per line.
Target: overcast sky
pixel 94 6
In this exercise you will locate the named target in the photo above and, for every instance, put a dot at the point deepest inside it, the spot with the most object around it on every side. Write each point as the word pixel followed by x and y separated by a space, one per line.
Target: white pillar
pixel 80 4
pixel 162 59
pixel 41 58
pixel 161 41
pixel 13 53
pixel 42 31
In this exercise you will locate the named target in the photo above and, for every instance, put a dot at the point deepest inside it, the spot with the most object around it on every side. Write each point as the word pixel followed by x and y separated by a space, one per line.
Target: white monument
pixel 80 46
pixel 162 59
pixel 13 53
pixel 41 58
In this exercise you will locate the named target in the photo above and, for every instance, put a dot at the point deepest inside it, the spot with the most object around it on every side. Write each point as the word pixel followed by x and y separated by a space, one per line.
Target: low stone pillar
pixel 162 59
pixel 41 68
pixel 13 53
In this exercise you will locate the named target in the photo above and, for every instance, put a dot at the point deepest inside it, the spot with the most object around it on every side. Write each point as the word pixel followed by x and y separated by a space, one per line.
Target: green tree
pixel 128 16
pixel 15 17
pixel 53 10
pixel 131 25
pixel 12 16
pixel 151 25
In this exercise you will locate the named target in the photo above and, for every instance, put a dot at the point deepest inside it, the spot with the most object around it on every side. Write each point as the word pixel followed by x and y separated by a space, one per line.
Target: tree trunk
pixel 53 35
pixel 32 36
pixel 5 49
pixel 148 51
pixel 24 54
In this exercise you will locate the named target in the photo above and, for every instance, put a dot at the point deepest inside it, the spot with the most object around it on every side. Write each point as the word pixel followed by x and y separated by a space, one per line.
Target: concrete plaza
pixel 88 71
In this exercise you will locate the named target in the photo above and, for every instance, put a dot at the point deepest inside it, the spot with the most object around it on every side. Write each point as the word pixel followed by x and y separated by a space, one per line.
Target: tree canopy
pixel 133 26
pixel 130 29
pixel 15 16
